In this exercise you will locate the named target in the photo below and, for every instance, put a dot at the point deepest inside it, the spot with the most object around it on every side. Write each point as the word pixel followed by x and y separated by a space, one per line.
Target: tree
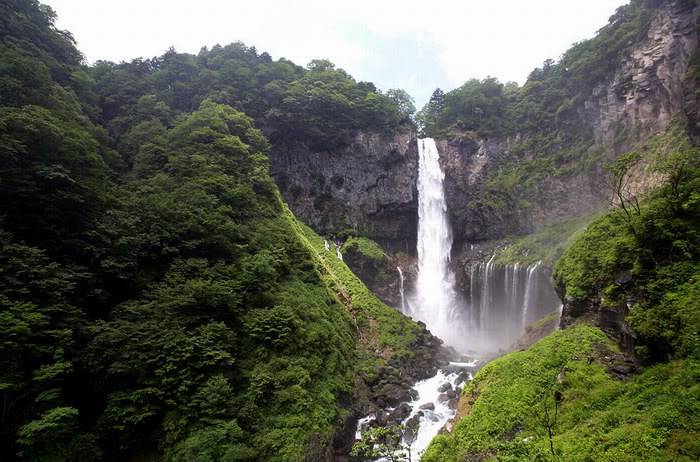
pixel 621 184
pixel 404 102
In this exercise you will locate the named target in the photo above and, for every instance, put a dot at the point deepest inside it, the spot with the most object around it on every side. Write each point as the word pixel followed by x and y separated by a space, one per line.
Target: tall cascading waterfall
pixel 502 299
pixel 435 301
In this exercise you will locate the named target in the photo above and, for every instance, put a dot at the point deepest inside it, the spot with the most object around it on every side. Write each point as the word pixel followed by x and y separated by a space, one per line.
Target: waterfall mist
pixel 502 299
pixel 506 299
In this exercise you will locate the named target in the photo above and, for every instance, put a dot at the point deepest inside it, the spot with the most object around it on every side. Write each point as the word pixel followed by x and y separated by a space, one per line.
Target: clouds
pixel 415 45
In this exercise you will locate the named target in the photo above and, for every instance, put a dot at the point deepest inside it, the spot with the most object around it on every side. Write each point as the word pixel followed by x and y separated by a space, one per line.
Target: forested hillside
pixel 157 299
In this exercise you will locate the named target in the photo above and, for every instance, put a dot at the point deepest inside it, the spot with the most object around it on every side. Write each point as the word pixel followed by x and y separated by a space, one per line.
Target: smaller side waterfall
pixel 401 291
pixel 530 293
pixel 505 299
pixel 337 252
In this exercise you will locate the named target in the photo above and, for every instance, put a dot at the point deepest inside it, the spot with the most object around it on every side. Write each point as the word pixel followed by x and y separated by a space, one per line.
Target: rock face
pixel 647 90
pixel 474 217
pixel 367 188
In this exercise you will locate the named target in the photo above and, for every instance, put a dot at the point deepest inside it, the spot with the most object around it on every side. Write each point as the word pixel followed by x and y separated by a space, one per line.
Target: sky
pixel 414 45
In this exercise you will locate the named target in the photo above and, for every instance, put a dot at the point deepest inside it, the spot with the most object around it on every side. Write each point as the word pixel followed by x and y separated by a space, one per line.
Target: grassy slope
pixel 655 416
pixel 385 334
pixel 364 246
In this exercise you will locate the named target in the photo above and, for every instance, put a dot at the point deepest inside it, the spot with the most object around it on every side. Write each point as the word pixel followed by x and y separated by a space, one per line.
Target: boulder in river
pixel 402 411
pixel 444 387
pixel 428 406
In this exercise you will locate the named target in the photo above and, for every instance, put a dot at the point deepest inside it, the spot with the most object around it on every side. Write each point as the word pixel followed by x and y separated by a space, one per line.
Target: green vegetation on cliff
pixel 543 104
pixel 364 246
pixel 563 384
pixel 646 255
pixel 546 245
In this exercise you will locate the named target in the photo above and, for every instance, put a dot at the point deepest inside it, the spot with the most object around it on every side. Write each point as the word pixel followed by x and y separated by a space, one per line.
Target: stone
pixel 444 387
pixel 427 406
pixel 402 411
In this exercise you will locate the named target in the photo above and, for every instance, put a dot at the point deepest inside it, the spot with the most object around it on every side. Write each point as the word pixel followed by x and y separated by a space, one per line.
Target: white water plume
pixel 502 300
pixel 435 298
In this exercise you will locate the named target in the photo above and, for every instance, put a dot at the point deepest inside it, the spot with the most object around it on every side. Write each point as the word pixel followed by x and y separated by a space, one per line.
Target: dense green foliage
pixel 512 401
pixel 157 299
pixel 650 254
pixel 321 106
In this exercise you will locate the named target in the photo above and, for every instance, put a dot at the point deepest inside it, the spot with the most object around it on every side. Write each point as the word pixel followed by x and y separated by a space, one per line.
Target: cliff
pixel 367 187
pixel 517 182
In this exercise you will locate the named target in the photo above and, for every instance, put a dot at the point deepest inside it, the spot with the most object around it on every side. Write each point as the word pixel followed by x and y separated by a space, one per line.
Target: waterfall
pixel 401 292
pixel 326 246
pixel 486 297
pixel 435 294
pixel 337 252
pixel 530 289
pixel 502 299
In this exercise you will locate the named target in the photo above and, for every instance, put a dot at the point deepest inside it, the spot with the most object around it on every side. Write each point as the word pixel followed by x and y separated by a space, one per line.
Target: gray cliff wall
pixel 366 188
pixel 646 93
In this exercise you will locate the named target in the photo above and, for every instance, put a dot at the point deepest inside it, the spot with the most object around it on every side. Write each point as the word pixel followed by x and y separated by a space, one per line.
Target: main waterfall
pixel 502 300
pixel 435 297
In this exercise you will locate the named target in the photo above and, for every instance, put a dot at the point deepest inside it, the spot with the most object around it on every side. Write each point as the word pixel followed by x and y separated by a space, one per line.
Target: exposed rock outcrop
pixel 647 90
pixel 367 188
pixel 391 387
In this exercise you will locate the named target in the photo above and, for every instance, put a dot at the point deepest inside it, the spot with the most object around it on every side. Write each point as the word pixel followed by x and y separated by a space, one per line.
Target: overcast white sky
pixel 407 44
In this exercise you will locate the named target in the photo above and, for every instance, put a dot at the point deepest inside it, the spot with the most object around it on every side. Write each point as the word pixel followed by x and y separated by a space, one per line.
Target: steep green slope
pixel 642 260
pixel 563 383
